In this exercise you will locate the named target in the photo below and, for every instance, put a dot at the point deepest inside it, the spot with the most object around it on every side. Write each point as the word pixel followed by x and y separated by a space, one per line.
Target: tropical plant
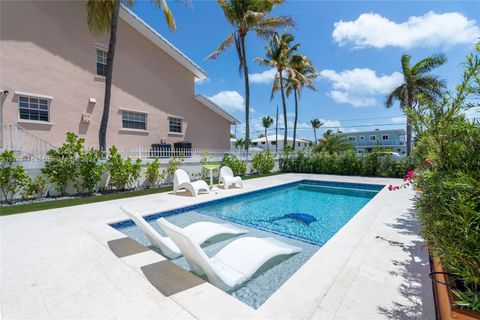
pixel 238 166
pixel 239 144
pixel 173 164
pixel 267 123
pixel 263 162
pixel 302 76
pixel 102 17
pixel 153 174
pixel 417 81
pixel 13 178
pixel 448 174
pixel 34 188
pixel 347 163
pixel 122 172
pixel 90 169
pixel 246 16
pixel 61 168
pixel 277 56
pixel 333 143
pixel 316 124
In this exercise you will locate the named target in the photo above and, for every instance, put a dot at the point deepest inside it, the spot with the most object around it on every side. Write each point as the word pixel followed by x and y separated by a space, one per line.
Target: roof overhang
pixel 148 32
pixel 215 108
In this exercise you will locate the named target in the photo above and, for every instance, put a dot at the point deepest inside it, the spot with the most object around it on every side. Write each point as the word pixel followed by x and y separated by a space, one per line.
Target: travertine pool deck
pixel 69 264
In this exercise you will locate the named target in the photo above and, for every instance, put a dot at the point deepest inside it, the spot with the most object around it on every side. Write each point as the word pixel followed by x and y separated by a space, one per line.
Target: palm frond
pixel 162 4
pixel 99 14
pixel 396 95
pixel 227 43
pixel 279 22
pixel 428 64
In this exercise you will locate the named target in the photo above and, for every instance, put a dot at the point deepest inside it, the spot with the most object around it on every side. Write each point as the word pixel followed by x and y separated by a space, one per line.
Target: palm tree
pixel 303 76
pixel 246 16
pixel 267 123
pixel 102 16
pixel 278 56
pixel 333 143
pixel 316 124
pixel 417 81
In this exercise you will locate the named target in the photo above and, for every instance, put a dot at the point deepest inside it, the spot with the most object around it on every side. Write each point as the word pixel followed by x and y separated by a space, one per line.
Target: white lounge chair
pixel 181 180
pixel 232 265
pixel 227 178
pixel 200 232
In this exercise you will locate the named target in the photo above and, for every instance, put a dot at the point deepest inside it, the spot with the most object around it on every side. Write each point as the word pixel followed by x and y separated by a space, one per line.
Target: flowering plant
pixel 409 178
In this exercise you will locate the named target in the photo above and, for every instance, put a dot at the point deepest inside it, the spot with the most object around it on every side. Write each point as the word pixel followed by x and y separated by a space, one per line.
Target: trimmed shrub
pixel 238 166
pixel 13 179
pixel 153 174
pixel 263 162
pixel 122 173
pixel 62 166
pixel 90 170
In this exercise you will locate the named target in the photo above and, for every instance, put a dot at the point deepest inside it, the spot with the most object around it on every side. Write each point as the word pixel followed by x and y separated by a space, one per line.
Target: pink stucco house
pixel 52 68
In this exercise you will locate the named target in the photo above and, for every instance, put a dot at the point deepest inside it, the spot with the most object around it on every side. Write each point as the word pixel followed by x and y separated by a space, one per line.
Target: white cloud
pixel 429 30
pixel 229 100
pixel 202 81
pixel 400 120
pixel 264 77
pixel 359 87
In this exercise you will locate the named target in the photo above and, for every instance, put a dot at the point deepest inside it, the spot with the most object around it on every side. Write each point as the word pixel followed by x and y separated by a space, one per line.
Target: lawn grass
pixel 61 203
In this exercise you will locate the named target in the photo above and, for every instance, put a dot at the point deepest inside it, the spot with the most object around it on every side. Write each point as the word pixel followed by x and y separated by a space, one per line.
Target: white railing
pixel 26 145
pixel 194 153
pixel 29 147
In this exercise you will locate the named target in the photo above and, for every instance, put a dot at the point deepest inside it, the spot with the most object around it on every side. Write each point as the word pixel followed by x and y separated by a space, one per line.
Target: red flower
pixel 390 188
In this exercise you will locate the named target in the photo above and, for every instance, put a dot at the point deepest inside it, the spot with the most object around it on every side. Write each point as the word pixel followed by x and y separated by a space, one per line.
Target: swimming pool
pixel 305 213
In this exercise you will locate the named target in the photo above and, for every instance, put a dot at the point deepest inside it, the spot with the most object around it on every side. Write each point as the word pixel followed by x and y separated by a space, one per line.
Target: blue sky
pixel 355 46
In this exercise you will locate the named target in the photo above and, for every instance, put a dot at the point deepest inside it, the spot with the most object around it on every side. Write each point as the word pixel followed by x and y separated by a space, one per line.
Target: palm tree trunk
pixel 284 111
pixel 276 132
pixel 102 135
pixel 296 118
pixel 266 138
pixel 315 135
pixel 409 136
pixel 247 92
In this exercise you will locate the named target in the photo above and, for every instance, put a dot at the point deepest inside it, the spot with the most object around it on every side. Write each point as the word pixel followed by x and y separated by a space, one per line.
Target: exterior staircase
pixel 26 145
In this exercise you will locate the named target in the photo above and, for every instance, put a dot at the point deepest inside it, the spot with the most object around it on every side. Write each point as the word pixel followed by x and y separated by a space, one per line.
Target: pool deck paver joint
pixel 68 263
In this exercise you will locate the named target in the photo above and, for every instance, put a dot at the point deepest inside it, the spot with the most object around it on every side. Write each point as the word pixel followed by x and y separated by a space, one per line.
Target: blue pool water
pixel 306 214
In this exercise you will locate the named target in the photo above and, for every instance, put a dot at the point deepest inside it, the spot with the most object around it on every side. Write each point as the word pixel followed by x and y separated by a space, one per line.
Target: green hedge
pixel 373 164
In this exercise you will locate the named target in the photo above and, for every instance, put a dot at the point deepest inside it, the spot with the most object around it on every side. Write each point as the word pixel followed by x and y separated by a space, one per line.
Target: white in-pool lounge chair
pixel 181 180
pixel 200 232
pixel 227 178
pixel 232 265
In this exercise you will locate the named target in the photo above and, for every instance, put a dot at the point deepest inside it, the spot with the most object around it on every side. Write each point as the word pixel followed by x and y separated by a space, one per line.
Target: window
pixel 274 142
pixel 372 138
pixel 362 138
pixel 134 120
pixel 175 125
pixel 101 62
pixel 263 142
pixel 351 139
pixel 33 108
pixel 385 137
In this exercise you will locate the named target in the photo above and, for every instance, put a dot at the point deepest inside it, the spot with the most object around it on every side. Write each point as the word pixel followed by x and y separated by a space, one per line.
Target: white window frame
pixel 29 97
pixel 372 136
pixel 170 118
pixel 133 112
pixel 385 135
pixel 98 49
